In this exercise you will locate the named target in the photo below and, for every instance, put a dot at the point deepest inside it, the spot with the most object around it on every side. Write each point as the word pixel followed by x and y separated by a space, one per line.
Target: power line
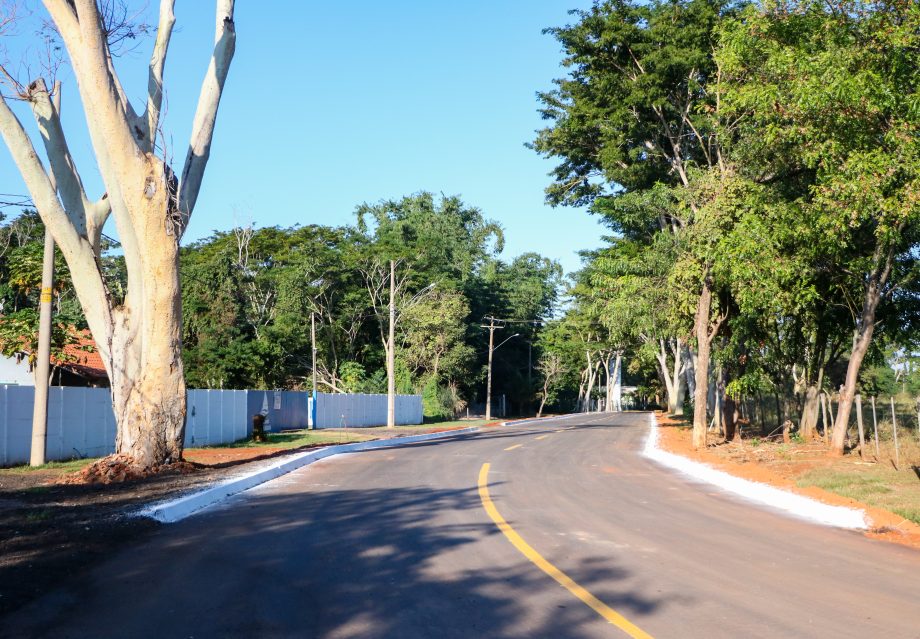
pixel 24 201
pixel 511 321
pixel 15 200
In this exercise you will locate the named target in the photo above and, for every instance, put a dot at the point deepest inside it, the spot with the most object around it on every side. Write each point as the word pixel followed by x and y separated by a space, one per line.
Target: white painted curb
pixel 175 510
pixel 788 502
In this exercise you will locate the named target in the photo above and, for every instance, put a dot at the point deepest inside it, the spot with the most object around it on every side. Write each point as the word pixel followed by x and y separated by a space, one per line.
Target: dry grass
pixel 871 479
pixel 878 485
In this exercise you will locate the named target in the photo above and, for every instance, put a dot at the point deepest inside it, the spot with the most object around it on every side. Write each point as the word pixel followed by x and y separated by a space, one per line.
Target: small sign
pixel 277 401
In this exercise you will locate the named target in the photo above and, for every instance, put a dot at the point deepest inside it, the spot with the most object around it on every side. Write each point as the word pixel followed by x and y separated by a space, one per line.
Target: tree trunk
pixel 716 392
pixel 608 396
pixel 664 373
pixel 681 396
pixel 676 405
pixel 542 403
pixel 690 369
pixel 148 383
pixel 704 342
pixel 873 295
pixel 592 376
pixel 674 381
pixel 140 340
pixel 810 408
pixel 730 419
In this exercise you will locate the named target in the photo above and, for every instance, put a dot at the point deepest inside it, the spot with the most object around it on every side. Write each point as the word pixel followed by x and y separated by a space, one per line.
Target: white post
pixel 391 355
pixel 313 394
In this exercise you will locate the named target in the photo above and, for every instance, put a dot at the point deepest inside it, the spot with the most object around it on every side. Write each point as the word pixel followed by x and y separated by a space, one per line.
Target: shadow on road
pixel 343 563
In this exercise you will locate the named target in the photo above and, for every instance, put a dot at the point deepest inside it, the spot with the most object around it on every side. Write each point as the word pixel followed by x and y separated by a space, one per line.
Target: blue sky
pixel 329 105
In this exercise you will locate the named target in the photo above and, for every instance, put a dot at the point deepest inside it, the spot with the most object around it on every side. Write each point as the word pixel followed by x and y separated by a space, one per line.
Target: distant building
pixel 80 366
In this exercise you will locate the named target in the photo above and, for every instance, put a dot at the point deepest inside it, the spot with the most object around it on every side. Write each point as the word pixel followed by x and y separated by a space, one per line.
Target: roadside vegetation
pixel 757 165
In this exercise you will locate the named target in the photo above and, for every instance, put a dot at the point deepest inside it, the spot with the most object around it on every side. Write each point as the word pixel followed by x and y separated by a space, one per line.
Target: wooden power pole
pixel 43 361
pixel 491 326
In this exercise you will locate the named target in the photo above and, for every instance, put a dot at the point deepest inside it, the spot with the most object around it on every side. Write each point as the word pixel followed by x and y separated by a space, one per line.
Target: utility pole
pixel 391 351
pixel 43 361
pixel 313 344
pixel 491 328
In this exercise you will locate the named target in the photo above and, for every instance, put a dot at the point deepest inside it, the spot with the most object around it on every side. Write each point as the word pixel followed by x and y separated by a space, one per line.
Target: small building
pixel 81 365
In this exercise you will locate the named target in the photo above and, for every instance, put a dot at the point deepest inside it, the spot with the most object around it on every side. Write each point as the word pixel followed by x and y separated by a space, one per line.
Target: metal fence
pixel 81 422
pixel 765 415
pixel 357 410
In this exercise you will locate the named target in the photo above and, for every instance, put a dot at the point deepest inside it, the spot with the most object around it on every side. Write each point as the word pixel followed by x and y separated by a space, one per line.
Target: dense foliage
pixel 758 166
pixel 249 294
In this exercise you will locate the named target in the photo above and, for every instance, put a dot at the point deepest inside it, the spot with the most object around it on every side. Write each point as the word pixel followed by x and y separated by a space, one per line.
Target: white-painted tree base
pixel 783 500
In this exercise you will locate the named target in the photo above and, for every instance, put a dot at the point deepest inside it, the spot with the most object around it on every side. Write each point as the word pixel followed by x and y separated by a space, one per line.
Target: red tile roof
pixel 79 359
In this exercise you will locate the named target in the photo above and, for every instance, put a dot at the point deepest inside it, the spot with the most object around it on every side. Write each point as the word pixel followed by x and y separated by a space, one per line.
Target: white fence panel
pixel 81 422
pixel 215 417
pixel 355 410
pixel 15 423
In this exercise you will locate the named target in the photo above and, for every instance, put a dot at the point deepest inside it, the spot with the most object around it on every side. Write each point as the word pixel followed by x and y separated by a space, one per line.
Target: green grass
pixel 298 438
pixel 878 486
pixel 63 466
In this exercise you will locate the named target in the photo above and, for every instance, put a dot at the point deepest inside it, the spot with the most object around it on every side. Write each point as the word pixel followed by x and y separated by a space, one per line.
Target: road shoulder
pixel 674 438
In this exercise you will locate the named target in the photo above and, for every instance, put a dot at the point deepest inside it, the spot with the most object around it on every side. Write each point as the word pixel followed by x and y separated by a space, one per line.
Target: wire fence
pixel 890 424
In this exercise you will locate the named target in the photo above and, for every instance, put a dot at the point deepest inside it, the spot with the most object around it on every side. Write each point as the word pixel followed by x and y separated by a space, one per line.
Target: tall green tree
pixel 637 116
pixel 831 88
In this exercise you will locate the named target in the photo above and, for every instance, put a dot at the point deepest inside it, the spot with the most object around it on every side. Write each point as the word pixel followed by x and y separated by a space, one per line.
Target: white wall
pixel 356 410
pixel 216 417
pixel 81 422
pixel 13 372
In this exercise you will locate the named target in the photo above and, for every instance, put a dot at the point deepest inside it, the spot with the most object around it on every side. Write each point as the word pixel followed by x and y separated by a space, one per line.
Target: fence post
pixel 894 428
pixel 918 418
pixel 875 429
pixel 824 415
pixel 859 423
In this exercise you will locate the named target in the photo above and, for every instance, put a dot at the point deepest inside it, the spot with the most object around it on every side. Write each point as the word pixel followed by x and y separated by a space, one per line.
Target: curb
pixel 174 510
pixel 790 503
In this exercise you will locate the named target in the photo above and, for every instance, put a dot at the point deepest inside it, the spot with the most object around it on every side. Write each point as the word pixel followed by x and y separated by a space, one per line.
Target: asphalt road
pixel 398 543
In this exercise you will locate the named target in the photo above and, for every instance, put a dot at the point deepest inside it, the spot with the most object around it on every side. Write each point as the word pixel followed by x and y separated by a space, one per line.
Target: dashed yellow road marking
pixel 513 447
pixel 561 578
pixel 542 437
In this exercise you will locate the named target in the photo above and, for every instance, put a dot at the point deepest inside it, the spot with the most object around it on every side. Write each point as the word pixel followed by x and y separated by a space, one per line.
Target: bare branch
pixel 64 15
pixel 206 114
pixel 157 61
pixel 96 216
pixel 86 40
pixel 36 178
pixel 63 170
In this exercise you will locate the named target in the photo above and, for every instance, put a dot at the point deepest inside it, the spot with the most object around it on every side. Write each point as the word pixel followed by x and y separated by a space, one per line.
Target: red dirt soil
pixel 675 437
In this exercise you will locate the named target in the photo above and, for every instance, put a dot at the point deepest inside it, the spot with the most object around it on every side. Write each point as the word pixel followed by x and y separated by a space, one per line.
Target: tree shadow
pixel 399 562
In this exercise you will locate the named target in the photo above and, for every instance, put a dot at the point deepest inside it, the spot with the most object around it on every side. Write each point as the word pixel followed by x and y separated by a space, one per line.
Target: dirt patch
pixel 784 466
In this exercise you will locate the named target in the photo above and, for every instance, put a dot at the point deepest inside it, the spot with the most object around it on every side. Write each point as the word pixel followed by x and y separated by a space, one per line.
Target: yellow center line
pixel 513 447
pixel 542 437
pixel 563 579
